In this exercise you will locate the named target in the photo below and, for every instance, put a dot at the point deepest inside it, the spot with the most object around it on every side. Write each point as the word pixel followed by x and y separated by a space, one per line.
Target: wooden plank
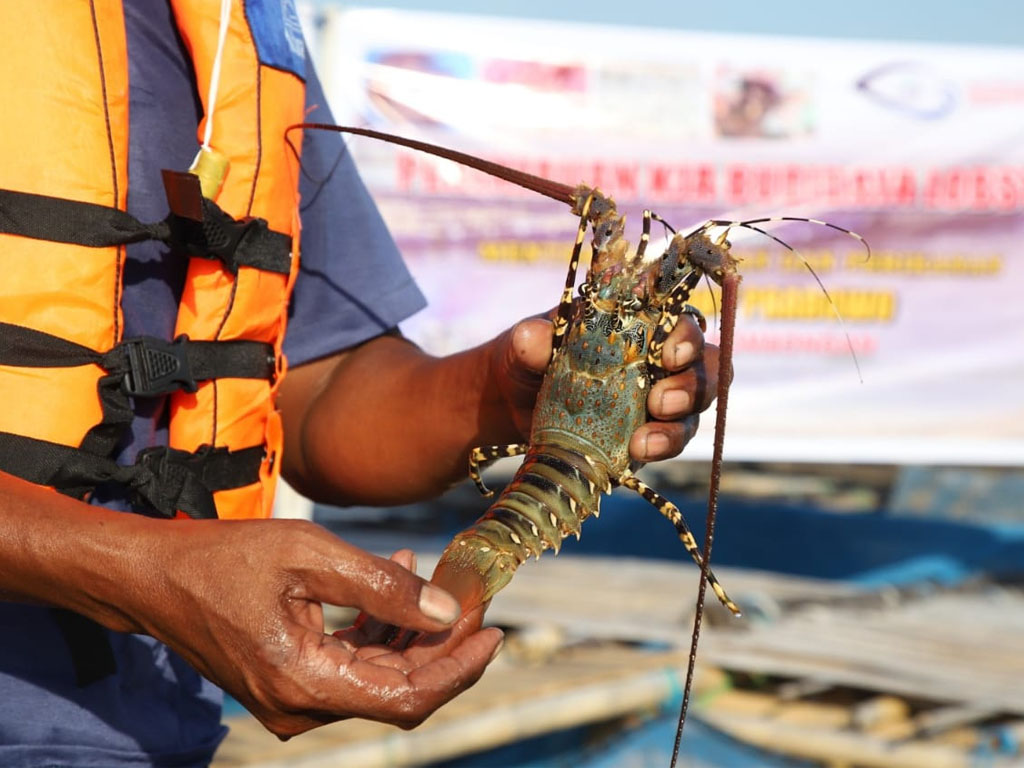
pixel 832 746
pixel 936 721
pixel 957 648
pixel 514 700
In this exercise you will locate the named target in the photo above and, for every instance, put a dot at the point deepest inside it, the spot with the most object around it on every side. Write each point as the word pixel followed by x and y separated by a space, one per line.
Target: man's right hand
pixel 241 601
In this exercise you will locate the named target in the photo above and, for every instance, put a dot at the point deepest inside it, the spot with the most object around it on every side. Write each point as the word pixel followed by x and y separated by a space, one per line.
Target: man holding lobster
pixel 117 617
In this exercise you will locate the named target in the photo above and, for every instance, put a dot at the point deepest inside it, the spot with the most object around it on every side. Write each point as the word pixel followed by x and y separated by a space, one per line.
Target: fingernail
pixel 412 563
pixel 497 649
pixel 655 445
pixel 438 604
pixel 683 353
pixel 674 402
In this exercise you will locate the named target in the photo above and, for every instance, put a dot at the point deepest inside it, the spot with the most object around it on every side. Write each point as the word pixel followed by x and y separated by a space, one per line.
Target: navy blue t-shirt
pixel 353 286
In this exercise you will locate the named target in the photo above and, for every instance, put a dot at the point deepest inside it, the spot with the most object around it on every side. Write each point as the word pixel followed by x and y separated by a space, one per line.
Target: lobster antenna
pixel 664 223
pixel 835 310
pixel 819 222
pixel 730 286
pixel 563 193
pixel 714 302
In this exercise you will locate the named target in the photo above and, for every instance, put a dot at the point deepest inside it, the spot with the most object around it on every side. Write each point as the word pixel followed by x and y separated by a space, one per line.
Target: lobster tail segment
pixel 553 492
pixel 472 571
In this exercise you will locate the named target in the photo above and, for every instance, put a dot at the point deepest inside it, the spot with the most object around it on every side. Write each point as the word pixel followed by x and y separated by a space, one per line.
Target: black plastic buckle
pixel 156 367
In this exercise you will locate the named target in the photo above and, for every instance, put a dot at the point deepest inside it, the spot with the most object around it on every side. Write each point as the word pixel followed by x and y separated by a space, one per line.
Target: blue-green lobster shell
pixel 607 354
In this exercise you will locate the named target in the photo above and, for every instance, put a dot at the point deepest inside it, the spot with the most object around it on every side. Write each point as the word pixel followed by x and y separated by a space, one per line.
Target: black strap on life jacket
pixel 212 234
pixel 168 480
pixel 139 367
pixel 147 366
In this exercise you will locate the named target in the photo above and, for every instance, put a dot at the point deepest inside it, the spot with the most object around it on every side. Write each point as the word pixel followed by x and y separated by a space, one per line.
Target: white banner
pixel 919 148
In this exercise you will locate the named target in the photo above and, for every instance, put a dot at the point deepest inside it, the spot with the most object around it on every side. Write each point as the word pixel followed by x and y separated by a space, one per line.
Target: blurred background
pixel 872 524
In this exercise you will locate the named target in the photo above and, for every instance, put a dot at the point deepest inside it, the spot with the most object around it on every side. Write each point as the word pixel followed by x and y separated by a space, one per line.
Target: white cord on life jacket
pixel 209 164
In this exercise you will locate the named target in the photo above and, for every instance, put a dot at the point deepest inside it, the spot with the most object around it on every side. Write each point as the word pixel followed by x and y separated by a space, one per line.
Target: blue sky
pixel 986 22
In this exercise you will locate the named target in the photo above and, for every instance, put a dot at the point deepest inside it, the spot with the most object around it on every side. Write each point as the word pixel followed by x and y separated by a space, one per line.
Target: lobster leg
pixel 672 513
pixel 675 306
pixel 479 457
pixel 696 314
pixel 645 237
pixel 565 305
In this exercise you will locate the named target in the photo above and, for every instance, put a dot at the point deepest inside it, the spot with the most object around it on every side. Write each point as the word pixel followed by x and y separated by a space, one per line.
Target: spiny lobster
pixel 607 353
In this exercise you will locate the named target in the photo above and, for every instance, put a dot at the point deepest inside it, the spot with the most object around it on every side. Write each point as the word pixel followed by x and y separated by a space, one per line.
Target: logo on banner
pixel 911 88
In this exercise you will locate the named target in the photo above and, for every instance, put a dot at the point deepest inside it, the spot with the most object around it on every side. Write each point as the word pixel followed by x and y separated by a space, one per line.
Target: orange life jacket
pixel 68 377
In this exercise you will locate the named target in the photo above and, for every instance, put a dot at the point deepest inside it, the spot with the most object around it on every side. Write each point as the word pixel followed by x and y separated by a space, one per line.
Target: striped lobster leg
pixel 481 457
pixel 672 513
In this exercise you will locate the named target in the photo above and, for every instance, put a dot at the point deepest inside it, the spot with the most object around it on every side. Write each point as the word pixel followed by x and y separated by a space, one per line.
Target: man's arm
pixel 386 423
pixel 241 602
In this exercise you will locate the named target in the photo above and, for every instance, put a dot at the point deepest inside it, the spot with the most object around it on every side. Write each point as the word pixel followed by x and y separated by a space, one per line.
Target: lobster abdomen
pixel 552 493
